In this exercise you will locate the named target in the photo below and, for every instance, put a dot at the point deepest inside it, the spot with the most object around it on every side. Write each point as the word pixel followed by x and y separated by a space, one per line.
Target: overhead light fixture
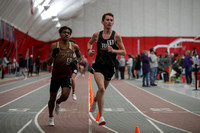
pixel 55 19
pixel 46 7
pixel 58 25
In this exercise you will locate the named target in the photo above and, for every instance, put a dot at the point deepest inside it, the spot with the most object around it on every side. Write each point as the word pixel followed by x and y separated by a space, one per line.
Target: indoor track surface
pixel 166 108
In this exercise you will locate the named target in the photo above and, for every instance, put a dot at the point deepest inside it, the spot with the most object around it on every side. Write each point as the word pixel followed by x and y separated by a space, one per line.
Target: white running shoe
pixel 25 78
pixel 51 121
pixel 101 121
pixel 93 107
pixel 74 96
pixel 58 108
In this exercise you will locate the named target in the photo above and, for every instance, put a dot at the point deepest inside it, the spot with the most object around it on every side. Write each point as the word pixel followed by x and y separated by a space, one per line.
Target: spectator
pixel 164 63
pixel 21 67
pixel 129 66
pixel 176 65
pixel 195 62
pixel 122 63
pixel 154 67
pixel 138 66
pixel 14 66
pixel 37 63
pixel 4 65
pixel 188 67
pixel 30 65
pixel 133 66
pixel 145 68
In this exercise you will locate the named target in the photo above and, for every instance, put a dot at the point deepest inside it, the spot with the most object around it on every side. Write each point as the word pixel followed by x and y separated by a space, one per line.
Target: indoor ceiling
pixel 40 19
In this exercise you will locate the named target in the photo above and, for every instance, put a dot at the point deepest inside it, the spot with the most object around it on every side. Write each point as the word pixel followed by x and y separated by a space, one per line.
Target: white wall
pixel 141 17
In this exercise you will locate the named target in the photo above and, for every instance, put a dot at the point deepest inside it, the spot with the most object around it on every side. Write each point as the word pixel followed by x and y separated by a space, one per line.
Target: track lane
pixel 11 95
pixel 75 116
pixel 159 109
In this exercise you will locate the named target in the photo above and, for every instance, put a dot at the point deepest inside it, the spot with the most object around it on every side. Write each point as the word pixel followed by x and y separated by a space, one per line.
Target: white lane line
pixel 21 86
pixel 23 96
pixel 36 120
pixel 90 114
pixel 162 98
pixel 90 126
pixel 24 126
pixel 155 126
pixel 143 113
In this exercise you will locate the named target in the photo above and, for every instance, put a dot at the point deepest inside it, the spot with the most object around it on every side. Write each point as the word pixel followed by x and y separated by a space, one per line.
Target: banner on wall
pixel 6 32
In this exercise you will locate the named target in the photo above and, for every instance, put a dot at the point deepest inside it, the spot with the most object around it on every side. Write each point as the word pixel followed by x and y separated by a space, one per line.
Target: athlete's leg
pixel 51 103
pixel 99 78
pixel 73 82
pixel 106 83
pixel 64 95
pixel 73 86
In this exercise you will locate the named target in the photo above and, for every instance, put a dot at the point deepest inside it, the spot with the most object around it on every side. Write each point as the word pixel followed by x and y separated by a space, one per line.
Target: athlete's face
pixel 65 34
pixel 108 21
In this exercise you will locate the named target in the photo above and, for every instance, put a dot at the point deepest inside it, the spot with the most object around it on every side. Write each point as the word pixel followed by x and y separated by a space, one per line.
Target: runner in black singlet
pixel 109 44
pixel 61 55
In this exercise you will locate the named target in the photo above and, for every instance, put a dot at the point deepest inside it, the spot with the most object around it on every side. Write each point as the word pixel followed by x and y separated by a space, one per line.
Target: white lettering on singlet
pixel 105 45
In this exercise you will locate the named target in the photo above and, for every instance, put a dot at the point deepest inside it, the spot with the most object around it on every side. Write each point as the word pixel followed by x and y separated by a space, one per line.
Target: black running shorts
pixel 106 71
pixel 57 83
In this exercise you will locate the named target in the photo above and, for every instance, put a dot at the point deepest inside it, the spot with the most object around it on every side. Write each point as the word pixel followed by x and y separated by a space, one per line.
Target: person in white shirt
pixel 195 62
pixel 129 66
pixel 4 64
pixel 154 67
pixel 122 64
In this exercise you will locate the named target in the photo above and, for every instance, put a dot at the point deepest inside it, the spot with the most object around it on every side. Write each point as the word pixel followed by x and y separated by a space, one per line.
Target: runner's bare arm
pixel 91 42
pixel 50 58
pixel 118 40
pixel 78 53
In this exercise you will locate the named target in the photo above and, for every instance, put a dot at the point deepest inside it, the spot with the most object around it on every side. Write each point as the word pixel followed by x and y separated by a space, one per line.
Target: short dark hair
pixel 107 14
pixel 64 28
pixel 151 50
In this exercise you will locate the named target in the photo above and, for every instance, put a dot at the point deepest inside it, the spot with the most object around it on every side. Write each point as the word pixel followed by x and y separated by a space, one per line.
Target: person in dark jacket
pixel 188 67
pixel 145 68
pixel 30 65
pixel 21 67
pixel 138 66
pixel 37 63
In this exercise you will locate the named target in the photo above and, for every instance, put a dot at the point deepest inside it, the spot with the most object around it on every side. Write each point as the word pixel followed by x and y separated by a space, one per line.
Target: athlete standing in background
pixel 108 42
pixel 61 55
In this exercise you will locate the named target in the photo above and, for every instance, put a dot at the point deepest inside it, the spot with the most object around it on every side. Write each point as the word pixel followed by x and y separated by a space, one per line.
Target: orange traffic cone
pixel 137 129
pixel 158 76
pixel 97 118
pixel 184 79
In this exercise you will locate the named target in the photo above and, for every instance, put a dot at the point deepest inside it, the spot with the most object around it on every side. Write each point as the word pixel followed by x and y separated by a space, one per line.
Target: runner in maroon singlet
pixel 61 55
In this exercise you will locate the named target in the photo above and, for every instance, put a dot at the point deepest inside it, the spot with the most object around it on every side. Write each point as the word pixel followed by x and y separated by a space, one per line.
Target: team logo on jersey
pixel 105 45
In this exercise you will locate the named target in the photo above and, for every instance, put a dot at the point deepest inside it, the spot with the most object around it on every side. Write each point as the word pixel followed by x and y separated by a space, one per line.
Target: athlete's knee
pixel 65 96
pixel 52 101
pixel 101 89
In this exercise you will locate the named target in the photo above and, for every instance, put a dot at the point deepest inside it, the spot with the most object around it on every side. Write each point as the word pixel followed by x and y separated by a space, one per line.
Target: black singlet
pixel 105 58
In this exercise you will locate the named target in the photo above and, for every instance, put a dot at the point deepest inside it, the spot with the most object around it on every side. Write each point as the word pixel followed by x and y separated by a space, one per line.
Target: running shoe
pixel 51 121
pixel 58 108
pixel 101 121
pixel 74 96
pixel 93 107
